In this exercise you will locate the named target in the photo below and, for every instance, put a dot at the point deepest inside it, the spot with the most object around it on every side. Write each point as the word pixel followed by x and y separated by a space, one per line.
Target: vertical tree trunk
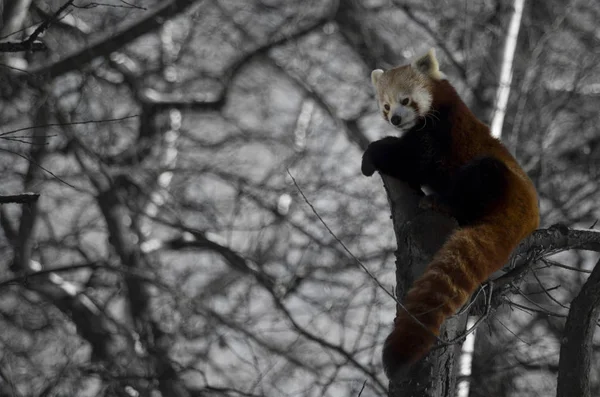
pixel 576 345
pixel 485 90
pixel 419 234
pixel 510 46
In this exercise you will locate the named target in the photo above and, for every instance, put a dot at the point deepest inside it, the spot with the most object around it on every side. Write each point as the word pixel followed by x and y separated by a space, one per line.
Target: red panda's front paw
pixel 367 167
pixel 378 156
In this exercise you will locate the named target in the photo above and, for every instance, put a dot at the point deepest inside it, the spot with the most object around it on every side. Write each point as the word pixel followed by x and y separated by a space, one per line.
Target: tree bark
pixel 419 235
pixel 576 345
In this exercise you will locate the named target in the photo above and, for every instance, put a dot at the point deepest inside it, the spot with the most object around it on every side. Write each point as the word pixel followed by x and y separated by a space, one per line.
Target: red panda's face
pixel 404 93
pixel 403 98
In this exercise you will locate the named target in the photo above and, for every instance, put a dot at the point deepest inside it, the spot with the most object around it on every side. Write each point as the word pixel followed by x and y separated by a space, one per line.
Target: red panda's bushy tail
pixel 468 258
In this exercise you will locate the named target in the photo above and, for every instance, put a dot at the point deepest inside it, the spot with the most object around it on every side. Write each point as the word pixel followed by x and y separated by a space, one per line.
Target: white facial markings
pixel 402 117
pixel 423 99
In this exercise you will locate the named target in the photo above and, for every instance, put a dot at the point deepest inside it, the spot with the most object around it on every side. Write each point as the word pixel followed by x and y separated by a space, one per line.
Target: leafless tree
pixel 183 213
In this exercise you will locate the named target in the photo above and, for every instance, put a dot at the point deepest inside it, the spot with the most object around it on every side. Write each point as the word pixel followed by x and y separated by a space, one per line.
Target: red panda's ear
pixel 428 65
pixel 375 75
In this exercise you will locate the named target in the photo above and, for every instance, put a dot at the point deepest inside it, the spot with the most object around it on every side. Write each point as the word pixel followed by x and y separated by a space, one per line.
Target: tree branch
pixel 23 198
pixel 139 297
pixel 21 46
pixel 546 242
pixel 30 44
pixel 24 241
pixel 46 24
pixel 114 41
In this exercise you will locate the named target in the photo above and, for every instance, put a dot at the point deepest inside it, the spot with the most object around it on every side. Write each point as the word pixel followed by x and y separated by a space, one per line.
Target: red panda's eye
pixel 405 101
pixel 386 107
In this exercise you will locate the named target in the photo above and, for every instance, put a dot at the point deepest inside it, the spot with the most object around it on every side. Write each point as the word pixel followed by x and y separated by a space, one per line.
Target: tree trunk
pixel 576 345
pixel 419 235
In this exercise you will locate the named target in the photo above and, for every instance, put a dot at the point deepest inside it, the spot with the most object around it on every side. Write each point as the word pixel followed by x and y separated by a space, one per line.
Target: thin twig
pixel 534 310
pixel 558 264
pixel 94 5
pixel 70 123
pixel 32 161
pixel 511 331
pixel 362 266
pixel 547 292
pixel 488 310
pixel 362 388
pixel 89 266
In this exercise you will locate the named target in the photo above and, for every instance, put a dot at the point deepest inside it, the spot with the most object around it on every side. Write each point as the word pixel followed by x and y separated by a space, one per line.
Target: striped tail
pixel 468 258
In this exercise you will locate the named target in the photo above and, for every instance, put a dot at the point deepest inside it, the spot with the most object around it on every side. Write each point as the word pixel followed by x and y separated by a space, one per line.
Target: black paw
pixel 378 155
pixel 367 167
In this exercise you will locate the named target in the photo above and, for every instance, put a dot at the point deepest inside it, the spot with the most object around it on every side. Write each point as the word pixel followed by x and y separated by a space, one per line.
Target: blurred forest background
pixel 170 253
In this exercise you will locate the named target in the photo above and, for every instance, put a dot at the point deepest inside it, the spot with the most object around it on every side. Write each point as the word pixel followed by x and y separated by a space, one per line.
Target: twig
pixel 534 303
pixel 46 24
pixel 362 388
pixel 94 5
pixel 512 332
pixel 469 305
pixel 488 310
pixel 30 44
pixel 534 310
pixel 23 198
pixel 360 264
pixel 89 266
pixel 547 292
pixel 32 161
pixel 557 264
pixel 70 123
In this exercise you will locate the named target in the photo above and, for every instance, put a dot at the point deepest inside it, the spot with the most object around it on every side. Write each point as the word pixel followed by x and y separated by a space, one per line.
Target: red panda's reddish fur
pixel 472 253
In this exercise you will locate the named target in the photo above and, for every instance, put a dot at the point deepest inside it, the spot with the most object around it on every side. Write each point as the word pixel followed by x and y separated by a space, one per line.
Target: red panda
pixel 445 147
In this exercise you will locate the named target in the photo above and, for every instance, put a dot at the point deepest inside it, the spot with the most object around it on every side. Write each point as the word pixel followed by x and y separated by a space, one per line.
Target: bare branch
pixel 46 24
pixel 546 242
pixel 114 41
pixel 30 44
pixel 10 46
pixel 23 198
pixel 136 273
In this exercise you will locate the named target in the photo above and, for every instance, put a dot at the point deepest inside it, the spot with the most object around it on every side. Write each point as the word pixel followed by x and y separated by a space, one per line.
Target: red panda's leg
pixel 404 158
pixel 476 188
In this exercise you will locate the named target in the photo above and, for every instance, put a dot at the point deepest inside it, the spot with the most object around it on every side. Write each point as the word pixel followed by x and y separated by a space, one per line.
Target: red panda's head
pixel 405 93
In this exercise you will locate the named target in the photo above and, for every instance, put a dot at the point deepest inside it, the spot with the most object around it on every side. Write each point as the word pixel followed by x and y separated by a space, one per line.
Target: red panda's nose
pixel 396 120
